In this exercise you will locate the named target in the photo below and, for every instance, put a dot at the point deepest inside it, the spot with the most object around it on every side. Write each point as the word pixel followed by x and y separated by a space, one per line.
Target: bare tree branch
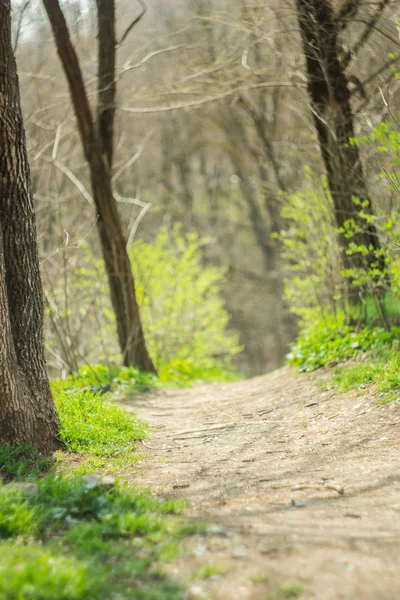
pixel 129 67
pixel 19 25
pixel 77 183
pixel 208 99
pixel 366 34
pixel 134 158
pixel 383 33
pixel 381 69
pixel 134 22
pixel 348 10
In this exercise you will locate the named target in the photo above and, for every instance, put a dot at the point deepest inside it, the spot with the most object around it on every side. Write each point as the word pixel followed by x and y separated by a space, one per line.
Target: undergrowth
pixel 359 357
pixel 130 381
pixel 69 536
pixel 75 538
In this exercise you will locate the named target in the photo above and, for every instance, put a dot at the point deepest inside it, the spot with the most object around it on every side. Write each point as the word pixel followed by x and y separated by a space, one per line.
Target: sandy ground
pixel 300 487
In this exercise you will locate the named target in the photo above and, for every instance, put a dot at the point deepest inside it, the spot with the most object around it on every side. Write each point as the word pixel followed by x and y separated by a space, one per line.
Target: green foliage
pixel 381 367
pixel 91 423
pixel 209 570
pixel 291 590
pixel 328 340
pixel 16 517
pixel 36 574
pixel 74 537
pixel 126 381
pixel 113 511
pixel 316 280
pixel 110 378
pixel 180 299
pixel 17 462
pixel 183 313
pixel 310 249
pixel 95 540
pixel 182 373
pixel 368 356
pixel 334 329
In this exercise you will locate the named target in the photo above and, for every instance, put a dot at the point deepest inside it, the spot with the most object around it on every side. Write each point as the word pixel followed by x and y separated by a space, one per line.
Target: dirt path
pixel 243 455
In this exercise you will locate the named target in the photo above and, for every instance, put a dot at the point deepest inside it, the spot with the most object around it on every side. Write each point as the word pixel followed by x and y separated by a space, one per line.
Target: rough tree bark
pixel 330 94
pixel 97 143
pixel 27 411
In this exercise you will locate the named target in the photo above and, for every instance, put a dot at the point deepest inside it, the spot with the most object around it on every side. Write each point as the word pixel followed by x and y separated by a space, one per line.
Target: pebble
pixel 196 591
pixel 217 530
pixel 239 552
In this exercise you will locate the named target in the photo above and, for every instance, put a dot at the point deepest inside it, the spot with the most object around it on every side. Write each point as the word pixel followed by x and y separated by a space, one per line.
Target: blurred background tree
pixel 214 125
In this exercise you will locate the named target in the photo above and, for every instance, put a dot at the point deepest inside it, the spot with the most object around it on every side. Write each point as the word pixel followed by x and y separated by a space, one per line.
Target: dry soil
pixel 300 487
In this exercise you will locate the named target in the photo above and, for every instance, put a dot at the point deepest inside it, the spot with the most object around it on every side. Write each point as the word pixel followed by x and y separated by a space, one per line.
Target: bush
pixel 333 326
pixel 183 313
pixel 182 373
pixel 310 249
pixel 102 379
pixel 316 281
pixel 328 340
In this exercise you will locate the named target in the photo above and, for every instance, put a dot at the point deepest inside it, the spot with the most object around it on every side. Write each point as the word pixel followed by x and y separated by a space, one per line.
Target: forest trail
pixel 300 487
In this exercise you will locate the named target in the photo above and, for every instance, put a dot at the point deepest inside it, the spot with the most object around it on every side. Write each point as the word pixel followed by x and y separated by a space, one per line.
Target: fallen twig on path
pixel 229 425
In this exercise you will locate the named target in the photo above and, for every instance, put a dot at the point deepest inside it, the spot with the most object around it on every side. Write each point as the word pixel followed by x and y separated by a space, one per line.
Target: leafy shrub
pixel 310 249
pixel 182 373
pixel 180 299
pixel 183 313
pixel 316 281
pixel 109 378
pixel 125 381
pixel 334 328
pixel 63 502
pixel 328 340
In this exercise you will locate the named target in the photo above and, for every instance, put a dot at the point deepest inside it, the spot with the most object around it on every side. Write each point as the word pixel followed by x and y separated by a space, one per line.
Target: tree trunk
pixel 330 100
pixel 27 411
pixel 97 142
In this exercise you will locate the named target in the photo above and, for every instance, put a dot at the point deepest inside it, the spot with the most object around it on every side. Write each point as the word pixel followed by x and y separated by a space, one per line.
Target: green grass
pixel 129 381
pixel 38 574
pixel 359 358
pixel 66 536
pixel 291 590
pixel 101 379
pixel 285 591
pixel 208 571
pixel 372 312
pixel 22 462
pixel 70 537
pixel 326 341
pixel 76 538
pixel 381 368
pixel 94 425
pixel 184 373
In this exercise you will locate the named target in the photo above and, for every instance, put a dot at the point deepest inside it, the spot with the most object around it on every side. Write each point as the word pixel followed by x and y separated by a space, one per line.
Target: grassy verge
pixel 79 538
pixel 97 429
pixel 126 381
pixel 69 536
pixel 358 357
